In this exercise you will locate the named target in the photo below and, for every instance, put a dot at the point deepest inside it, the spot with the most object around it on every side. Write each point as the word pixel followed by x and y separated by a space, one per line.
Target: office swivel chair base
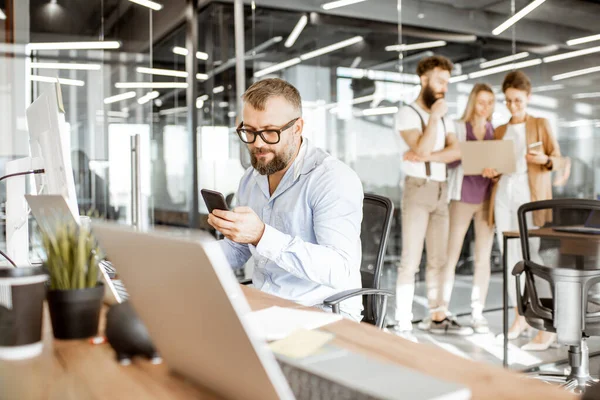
pixel 579 377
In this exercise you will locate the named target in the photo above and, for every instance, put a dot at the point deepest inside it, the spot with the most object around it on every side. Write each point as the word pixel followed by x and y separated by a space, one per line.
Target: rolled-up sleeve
pixel 336 204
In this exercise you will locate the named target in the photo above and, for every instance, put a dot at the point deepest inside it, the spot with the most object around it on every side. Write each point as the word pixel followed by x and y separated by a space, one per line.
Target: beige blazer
pixel 540 183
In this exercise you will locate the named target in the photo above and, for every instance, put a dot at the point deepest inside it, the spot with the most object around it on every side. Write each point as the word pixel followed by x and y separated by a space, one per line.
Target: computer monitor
pixel 49 140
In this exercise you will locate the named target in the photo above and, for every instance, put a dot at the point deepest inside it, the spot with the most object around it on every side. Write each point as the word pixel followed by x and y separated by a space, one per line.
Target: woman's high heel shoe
pixel 543 346
pixel 513 334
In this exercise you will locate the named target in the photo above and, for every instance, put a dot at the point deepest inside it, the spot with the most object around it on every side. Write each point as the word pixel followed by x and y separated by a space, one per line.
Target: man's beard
pixel 279 161
pixel 429 96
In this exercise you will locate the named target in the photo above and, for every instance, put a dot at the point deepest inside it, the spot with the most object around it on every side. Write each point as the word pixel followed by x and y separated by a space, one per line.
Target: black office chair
pixel 377 221
pixel 571 267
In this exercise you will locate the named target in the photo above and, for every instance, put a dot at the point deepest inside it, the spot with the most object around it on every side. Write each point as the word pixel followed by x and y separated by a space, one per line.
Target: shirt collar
pixel 299 161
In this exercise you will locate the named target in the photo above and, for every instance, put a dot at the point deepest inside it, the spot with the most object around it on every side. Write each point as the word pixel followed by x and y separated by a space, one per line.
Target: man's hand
pixel 534 157
pixel 490 173
pixel 412 156
pixel 439 108
pixel 241 225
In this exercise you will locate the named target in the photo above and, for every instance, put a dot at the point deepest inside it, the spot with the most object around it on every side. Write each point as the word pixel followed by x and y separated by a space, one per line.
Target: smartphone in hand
pixel 535 148
pixel 214 200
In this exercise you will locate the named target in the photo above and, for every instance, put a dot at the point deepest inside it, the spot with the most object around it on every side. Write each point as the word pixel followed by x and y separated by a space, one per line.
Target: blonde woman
pixel 469 200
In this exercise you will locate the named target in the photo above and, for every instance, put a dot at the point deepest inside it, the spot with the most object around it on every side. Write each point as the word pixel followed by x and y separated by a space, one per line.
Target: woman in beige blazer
pixel 537 154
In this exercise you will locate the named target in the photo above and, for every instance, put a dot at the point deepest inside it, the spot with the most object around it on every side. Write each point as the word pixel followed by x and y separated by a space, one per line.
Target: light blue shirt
pixel 310 248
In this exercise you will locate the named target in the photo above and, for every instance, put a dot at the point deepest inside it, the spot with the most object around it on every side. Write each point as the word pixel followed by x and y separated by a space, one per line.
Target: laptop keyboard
pixel 307 386
pixel 120 288
pixel 111 272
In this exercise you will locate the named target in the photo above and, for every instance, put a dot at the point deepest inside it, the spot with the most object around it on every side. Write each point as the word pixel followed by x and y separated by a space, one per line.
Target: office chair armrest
pixel 517 272
pixel 337 298
pixel 519 268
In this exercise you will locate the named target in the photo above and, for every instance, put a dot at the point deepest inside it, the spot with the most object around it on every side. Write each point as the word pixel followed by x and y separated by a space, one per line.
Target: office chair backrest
pixel 550 248
pixel 376 224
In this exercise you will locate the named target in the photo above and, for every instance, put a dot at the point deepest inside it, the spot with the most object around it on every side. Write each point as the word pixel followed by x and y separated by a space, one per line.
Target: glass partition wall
pixel 354 66
pixel 100 52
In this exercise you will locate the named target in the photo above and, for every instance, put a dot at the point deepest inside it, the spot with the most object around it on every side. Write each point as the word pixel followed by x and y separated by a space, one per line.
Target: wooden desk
pixel 78 370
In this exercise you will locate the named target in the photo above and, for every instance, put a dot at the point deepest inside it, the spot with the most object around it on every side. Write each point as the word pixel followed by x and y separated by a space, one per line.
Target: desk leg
pixel 505 300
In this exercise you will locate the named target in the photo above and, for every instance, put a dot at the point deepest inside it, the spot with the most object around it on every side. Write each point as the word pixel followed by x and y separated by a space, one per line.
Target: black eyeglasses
pixel 269 136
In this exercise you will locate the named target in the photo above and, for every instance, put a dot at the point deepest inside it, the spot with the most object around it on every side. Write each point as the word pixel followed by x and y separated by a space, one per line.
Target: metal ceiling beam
pixel 437 16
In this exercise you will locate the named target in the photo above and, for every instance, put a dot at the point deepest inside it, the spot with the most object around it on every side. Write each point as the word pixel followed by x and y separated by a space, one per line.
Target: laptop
pixel 50 210
pixel 590 227
pixel 185 292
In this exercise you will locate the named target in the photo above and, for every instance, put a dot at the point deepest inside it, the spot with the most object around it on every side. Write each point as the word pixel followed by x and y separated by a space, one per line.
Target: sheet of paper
pixel 302 343
pixel 276 323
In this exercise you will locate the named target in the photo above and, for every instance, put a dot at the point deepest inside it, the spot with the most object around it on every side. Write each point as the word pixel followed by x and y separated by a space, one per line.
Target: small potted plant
pixel 74 295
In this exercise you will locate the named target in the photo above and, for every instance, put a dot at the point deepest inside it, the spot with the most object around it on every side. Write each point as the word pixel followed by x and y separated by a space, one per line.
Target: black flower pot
pixel 75 313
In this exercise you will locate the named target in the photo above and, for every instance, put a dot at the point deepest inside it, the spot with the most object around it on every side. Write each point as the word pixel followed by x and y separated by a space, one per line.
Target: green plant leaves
pixel 72 257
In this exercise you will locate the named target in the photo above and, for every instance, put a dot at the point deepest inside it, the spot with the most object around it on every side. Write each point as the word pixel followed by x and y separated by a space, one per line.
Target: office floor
pixel 485 348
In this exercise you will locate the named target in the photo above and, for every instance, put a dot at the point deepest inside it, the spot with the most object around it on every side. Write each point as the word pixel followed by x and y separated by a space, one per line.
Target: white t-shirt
pixel 516 133
pixel 407 119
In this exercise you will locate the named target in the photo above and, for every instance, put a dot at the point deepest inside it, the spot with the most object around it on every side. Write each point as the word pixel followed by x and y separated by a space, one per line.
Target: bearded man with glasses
pixel 300 209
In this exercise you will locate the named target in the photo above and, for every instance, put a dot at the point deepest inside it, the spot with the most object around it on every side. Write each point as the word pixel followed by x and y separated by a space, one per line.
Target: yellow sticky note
pixel 302 343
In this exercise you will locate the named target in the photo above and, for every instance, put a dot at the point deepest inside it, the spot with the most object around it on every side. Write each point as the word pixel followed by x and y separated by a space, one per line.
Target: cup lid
pixel 22 275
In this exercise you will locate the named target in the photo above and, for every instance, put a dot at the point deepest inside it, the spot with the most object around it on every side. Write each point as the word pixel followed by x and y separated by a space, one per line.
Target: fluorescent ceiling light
pixel 150 4
pixel 115 114
pixel 171 111
pixel 416 46
pixel 308 56
pixel 169 72
pixel 263 46
pixel 592 95
pixel 182 51
pixel 331 47
pixel 572 54
pixel 62 81
pixel 148 96
pixel 99 45
pixel 199 103
pixel 339 3
pixel 515 18
pixel 503 60
pixel 151 85
pixel 296 31
pixel 2 15
pixel 578 123
pixel 223 104
pixel 377 75
pixel 204 97
pixel 458 78
pixel 218 89
pixel 119 97
pixel 277 67
pixel 355 62
pixel 162 72
pixel 547 88
pixel 573 74
pixel 582 40
pixel 83 67
pixel 380 111
pixel 502 68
